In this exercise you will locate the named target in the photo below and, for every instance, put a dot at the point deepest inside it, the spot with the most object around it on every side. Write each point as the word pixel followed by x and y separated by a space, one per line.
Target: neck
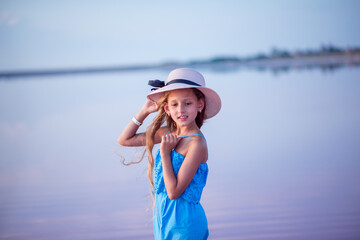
pixel 186 130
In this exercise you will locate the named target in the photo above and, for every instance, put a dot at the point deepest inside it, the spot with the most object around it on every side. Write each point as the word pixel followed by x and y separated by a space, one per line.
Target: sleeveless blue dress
pixel 182 218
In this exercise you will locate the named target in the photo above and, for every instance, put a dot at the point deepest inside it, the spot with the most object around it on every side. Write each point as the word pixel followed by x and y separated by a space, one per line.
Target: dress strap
pixel 193 135
pixel 189 135
pixel 207 151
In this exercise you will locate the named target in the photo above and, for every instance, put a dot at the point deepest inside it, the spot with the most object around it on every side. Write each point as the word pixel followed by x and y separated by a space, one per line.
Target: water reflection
pixel 283 163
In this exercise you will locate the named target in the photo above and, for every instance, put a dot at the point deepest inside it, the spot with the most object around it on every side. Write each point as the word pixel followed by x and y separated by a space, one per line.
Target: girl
pixel 178 173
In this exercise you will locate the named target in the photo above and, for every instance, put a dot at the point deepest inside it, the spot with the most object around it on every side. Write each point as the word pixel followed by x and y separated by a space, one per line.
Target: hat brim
pixel 212 99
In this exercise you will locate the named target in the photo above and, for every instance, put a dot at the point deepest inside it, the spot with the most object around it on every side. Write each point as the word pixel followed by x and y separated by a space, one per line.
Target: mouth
pixel 183 117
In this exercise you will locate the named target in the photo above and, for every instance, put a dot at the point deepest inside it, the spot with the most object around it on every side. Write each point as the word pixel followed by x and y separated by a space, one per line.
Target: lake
pixel 284 156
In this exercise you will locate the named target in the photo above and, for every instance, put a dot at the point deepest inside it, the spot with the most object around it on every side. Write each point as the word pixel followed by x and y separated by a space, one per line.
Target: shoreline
pixel 277 61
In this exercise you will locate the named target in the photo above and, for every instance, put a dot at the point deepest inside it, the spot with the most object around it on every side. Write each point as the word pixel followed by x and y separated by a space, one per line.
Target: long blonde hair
pixel 158 121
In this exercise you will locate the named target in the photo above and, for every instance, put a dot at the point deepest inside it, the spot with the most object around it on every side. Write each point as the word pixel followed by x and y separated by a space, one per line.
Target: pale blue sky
pixel 46 34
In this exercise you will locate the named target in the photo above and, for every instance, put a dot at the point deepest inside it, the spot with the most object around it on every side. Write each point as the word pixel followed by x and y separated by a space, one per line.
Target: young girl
pixel 179 171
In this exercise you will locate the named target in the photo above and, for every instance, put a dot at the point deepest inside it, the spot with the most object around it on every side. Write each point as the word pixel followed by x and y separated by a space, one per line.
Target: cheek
pixel 194 110
pixel 172 112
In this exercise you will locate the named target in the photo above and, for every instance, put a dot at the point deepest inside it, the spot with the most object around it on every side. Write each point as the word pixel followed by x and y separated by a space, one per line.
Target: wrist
pixel 140 116
pixel 144 113
pixel 164 152
pixel 136 121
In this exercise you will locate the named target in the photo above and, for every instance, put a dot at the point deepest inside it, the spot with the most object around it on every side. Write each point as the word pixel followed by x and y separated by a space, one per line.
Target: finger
pixel 156 105
pixel 176 140
pixel 152 103
pixel 173 138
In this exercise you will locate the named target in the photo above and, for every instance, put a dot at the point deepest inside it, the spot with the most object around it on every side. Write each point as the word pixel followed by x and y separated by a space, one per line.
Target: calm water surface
pixel 284 157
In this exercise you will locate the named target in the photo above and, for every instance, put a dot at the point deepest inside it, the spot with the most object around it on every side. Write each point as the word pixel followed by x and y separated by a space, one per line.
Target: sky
pixel 62 34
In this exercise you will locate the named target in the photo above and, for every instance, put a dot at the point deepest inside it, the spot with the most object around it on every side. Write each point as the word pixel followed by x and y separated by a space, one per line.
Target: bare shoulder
pixel 197 149
pixel 197 143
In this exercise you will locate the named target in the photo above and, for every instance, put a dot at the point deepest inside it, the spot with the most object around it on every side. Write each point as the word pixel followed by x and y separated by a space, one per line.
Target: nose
pixel 181 107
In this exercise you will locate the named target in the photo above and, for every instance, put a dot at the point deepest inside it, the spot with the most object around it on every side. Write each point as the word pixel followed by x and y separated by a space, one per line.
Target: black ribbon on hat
pixel 156 84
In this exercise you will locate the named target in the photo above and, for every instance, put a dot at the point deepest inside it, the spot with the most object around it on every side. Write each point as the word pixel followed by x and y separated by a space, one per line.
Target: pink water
pixel 284 157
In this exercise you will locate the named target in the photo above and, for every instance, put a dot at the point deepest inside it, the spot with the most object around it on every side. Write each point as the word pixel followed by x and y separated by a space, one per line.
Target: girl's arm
pixel 176 185
pixel 129 137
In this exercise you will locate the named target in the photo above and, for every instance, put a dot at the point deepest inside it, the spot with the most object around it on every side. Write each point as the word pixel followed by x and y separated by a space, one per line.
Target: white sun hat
pixel 183 78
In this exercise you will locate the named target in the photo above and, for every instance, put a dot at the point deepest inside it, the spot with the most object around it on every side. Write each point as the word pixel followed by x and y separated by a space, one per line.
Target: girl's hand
pixel 168 143
pixel 150 107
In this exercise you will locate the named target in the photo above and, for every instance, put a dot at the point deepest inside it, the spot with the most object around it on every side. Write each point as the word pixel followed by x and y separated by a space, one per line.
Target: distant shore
pixel 326 58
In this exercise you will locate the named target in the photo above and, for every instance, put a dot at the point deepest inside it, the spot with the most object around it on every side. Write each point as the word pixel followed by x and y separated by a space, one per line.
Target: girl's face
pixel 183 106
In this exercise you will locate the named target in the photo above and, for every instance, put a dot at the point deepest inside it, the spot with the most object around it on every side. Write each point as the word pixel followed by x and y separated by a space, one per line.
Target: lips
pixel 183 117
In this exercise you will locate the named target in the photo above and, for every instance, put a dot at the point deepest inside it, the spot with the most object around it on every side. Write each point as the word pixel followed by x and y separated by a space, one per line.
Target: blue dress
pixel 181 218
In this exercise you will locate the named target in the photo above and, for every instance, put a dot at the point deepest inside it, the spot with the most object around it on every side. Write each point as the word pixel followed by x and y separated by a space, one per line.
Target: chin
pixel 182 124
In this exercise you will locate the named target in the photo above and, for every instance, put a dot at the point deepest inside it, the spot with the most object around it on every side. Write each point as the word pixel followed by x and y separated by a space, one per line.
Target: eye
pixel 188 103
pixel 174 104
